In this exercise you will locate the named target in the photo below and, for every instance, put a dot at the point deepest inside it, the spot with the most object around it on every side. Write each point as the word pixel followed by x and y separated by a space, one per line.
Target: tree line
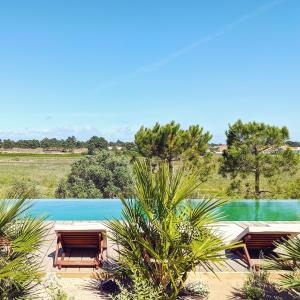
pixel 254 150
pixel 68 144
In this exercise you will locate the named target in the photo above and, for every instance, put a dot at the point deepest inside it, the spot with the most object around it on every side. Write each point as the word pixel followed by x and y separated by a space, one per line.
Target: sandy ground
pixel 220 288
pixel 225 287
pixel 42 151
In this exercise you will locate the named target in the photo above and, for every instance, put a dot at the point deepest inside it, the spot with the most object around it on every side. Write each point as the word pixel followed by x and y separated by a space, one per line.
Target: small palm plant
pixel 287 258
pixel 20 238
pixel 163 236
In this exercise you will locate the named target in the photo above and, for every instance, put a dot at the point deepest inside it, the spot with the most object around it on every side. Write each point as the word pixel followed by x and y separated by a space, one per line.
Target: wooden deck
pixel 228 230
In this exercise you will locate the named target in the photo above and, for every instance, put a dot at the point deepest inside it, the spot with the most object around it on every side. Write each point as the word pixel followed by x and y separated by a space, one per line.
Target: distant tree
pixel 102 175
pixel 96 143
pixel 80 144
pixel 195 139
pixel 53 143
pixel 168 142
pixel 33 144
pixel 70 143
pixel 28 144
pixel 256 149
pixel 130 146
pixel 293 144
pixel 8 144
pixel 46 143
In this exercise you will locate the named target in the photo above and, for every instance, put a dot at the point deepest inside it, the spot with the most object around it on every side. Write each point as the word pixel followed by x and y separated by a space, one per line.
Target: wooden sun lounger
pixel 84 236
pixel 262 238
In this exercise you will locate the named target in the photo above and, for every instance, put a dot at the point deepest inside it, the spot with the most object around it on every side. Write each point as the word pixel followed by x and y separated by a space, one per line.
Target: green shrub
pixel 104 175
pixel 294 189
pixel 24 187
pixel 138 289
pixel 54 289
pixel 255 285
pixel 198 288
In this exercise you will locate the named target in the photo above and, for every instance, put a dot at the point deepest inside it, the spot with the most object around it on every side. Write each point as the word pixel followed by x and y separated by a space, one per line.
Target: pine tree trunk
pixel 257 180
pixel 257 173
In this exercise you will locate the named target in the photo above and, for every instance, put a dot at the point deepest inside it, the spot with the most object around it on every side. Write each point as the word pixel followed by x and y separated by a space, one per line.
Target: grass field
pixel 44 171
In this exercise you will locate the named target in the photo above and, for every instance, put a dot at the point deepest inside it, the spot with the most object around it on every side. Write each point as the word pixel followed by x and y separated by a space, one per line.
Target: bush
pixel 24 187
pixel 138 289
pixel 294 189
pixel 255 285
pixel 102 175
pixel 198 288
pixel 54 289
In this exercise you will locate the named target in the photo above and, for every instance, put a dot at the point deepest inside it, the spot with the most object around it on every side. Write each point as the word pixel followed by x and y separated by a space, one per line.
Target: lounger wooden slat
pixel 81 237
pixel 262 238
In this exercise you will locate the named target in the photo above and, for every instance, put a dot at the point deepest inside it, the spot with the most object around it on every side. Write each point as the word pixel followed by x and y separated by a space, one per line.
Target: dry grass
pixel 44 170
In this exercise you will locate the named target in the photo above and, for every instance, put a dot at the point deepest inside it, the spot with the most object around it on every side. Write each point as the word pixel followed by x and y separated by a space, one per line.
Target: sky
pixel 106 67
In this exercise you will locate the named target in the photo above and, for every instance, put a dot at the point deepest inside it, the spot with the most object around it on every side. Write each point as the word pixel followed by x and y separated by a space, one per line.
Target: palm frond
pixel 20 237
pixel 162 234
pixel 287 258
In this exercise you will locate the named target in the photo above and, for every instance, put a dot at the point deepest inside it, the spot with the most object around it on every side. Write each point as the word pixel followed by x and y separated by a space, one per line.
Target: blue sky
pixel 106 67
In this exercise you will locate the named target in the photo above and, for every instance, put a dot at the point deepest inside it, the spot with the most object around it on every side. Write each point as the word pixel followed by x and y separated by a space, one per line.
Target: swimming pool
pixel 103 209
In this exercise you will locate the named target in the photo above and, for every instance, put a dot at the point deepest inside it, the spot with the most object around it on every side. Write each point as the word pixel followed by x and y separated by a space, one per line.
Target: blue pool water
pixel 104 209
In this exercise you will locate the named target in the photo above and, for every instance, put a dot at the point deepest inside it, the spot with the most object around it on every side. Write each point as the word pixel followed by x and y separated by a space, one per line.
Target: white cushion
pixel 80 227
pixel 290 229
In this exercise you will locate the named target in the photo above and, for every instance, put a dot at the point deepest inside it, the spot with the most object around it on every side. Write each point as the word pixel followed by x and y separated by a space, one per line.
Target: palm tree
pixel 20 238
pixel 163 236
pixel 287 258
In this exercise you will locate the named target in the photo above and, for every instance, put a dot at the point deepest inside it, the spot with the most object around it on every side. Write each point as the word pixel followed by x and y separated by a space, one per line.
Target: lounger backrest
pixel 263 240
pixel 80 239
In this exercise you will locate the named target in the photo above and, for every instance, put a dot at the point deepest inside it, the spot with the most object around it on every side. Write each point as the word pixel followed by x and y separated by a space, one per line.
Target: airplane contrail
pixel 185 50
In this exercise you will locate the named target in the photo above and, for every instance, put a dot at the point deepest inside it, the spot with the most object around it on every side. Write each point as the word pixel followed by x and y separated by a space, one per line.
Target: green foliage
pixel 23 187
pixel 294 188
pixel 254 149
pixel 54 289
pixel 168 142
pixel 255 285
pixel 138 289
pixel 95 144
pixel 20 238
pixel 103 175
pixel 7 144
pixel 47 170
pixel 162 235
pixel 287 258
pixel 205 164
pixel 198 288
pixel 70 143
